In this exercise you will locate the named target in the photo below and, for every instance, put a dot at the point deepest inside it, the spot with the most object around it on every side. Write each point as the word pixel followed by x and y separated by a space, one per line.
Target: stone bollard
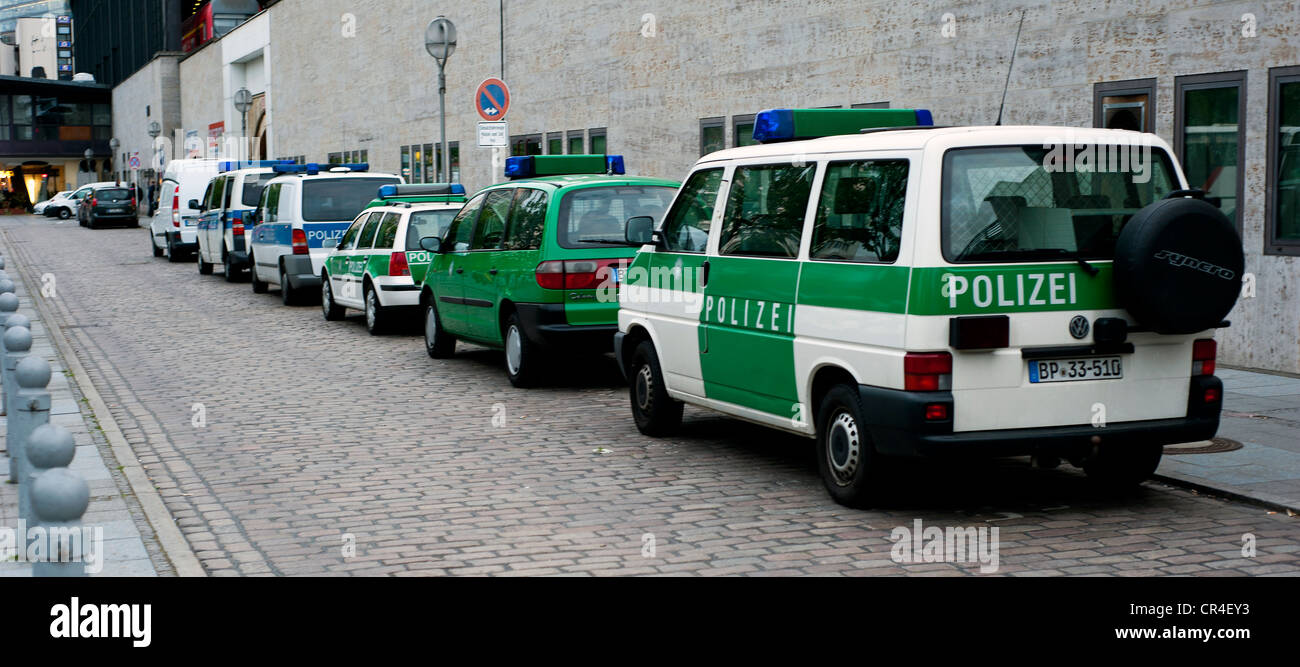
pixel 8 306
pixel 32 408
pixel 2 262
pixel 18 340
pixel 6 378
pixel 59 499
pixel 7 286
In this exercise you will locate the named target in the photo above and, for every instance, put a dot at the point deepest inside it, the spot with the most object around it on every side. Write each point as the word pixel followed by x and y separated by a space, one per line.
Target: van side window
pixel 492 223
pixel 230 188
pixel 860 213
pixel 528 221
pixel 388 231
pixel 686 227
pixel 368 233
pixel 462 227
pixel 272 203
pixel 765 210
pixel 350 237
pixel 207 195
pixel 215 189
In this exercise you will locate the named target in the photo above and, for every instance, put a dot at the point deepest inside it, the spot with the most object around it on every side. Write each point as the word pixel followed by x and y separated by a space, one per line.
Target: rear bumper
pixel 178 241
pixel 898 427
pixel 299 270
pixel 545 324
pixel 238 259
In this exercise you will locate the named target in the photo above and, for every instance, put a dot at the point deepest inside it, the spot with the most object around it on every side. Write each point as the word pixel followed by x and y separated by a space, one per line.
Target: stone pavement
pixel 123 548
pixel 1262 412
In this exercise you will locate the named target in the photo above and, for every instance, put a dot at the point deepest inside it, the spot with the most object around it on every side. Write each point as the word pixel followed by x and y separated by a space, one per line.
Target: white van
pixel 173 230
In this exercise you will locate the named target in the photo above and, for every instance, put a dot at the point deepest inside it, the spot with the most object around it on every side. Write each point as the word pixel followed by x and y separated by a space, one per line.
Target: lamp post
pixel 155 129
pixel 243 102
pixel 440 42
pixel 113 145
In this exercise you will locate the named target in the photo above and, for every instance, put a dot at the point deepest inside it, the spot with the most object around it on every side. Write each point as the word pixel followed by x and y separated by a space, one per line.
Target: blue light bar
pixel 614 165
pixel 313 169
pixel 421 190
pixel 521 166
pixel 528 166
pixel 233 165
pixel 773 125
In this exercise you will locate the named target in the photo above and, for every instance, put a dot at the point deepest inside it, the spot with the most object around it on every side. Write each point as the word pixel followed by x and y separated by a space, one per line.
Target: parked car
pixel 378 265
pixel 303 213
pixel 225 217
pixel 532 266
pixel 935 291
pixel 109 205
pixel 173 229
pixel 72 203
pixel 57 206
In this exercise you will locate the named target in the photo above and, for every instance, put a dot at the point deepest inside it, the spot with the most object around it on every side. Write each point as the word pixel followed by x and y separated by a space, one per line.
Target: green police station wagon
pixel 532 265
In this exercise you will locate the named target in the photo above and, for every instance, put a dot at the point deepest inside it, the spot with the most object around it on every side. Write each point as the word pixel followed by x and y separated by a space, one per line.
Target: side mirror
pixel 194 204
pixel 431 243
pixel 640 230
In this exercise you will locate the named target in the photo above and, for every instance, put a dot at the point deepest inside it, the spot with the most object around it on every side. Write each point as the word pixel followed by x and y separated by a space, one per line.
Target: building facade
pixel 46 127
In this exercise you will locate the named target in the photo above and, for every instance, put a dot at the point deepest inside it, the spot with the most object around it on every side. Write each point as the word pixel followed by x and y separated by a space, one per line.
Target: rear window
pixel 253 185
pixel 1027 203
pixel 113 194
pixel 325 200
pixel 424 224
pixel 597 217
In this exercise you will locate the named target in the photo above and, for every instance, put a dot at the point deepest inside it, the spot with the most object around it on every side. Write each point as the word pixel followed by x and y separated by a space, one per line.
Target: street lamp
pixel 113 145
pixel 440 42
pixel 155 129
pixel 243 102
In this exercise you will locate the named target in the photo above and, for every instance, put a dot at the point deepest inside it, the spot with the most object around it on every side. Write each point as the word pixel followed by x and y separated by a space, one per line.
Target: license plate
pixel 117 210
pixel 1074 370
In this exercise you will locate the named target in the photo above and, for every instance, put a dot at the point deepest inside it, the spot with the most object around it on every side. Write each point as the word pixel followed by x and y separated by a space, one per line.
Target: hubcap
pixel 514 350
pixel 430 327
pixel 324 295
pixel 843 448
pixel 370 309
pixel 644 380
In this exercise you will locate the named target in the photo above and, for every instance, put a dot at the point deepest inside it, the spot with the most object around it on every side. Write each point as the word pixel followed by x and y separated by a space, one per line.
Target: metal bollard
pixel 18 340
pixel 2 262
pixel 8 306
pixel 6 378
pixel 32 407
pixel 59 498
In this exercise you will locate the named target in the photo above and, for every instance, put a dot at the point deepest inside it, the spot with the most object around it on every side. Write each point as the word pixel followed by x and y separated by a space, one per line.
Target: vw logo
pixel 1079 327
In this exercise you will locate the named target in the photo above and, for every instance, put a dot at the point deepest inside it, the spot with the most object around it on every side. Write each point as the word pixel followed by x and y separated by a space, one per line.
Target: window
pixel 1283 219
pixel 1125 105
pixel 387 235
pixel 417 164
pixel 872 105
pixel 554 143
pixel 492 222
pixel 454 148
pixel 271 205
pixel 860 213
pixel 743 130
pixel 424 224
pixel 430 169
pixel 368 232
pixel 1209 137
pixel 686 227
pixel 462 227
pixel 406 163
pixel 576 142
pixel 349 239
pixel 599 145
pixel 596 217
pixel 1009 203
pixel 713 135
pixel 207 195
pixel 526 144
pixel 338 198
pixel 765 210
pixel 253 185
pixel 216 192
pixel 230 191
pixel 528 221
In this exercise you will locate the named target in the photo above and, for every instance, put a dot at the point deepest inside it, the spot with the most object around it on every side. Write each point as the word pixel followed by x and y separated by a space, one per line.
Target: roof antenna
pixel 1010 67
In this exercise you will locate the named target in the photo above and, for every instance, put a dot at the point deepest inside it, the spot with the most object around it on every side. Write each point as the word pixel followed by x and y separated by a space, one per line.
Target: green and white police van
pixel 892 288
pixel 378 265
pixel 531 266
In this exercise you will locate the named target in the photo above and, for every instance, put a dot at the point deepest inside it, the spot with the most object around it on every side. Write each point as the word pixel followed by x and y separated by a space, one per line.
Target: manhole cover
pixel 1215 446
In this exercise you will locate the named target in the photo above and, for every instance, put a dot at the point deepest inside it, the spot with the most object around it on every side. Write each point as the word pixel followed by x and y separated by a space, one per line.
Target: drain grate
pixel 1215 446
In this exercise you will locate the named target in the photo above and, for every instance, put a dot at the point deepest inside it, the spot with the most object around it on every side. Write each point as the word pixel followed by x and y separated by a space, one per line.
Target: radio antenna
pixel 1010 67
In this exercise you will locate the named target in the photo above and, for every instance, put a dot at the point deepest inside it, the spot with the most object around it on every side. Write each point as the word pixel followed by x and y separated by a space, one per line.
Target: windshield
pixel 1026 203
pixel 597 217
pixel 253 185
pixel 113 194
pixel 424 224
pixel 335 199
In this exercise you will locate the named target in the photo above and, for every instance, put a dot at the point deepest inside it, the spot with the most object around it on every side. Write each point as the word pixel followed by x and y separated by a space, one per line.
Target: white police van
pixel 173 229
pixel 891 288
pixel 300 218
pixel 225 215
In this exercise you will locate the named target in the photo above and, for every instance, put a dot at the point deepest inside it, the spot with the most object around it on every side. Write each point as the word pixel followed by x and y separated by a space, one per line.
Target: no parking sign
pixel 492 99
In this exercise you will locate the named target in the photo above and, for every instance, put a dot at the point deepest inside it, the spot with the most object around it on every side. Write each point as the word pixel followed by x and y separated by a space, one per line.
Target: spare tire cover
pixel 1178 266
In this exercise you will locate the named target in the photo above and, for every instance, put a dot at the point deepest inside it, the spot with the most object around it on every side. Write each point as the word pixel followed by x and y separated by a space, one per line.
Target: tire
pixel 288 295
pixel 655 412
pixel 173 255
pixel 846 456
pixel 64 213
pixel 90 222
pixel 332 311
pixel 157 252
pixel 523 358
pixel 228 269
pixel 259 287
pixel 1178 266
pixel 205 268
pixel 1121 467
pixel 437 342
pixel 378 318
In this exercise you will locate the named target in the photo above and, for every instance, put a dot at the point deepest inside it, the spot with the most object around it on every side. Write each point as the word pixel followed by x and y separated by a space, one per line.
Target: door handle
pixel 460 270
pixel 705 267
pixel 494 272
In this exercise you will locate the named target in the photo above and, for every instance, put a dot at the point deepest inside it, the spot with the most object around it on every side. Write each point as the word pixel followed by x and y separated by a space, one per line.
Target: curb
pixel 173 542
pixel 1267 501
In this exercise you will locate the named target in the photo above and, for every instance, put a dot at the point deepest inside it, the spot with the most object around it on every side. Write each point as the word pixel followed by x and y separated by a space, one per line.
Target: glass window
pixel 860 212
pixel 272 205
pixel 338 198
pixel 1284 162
pixel 417 164
pixel 462 226
pixel 23 110
pixel 367 239
pixel 113 194
pixel 216 193
pixel 526 144
pixel 1211 136
pixel 430 170
pixel 4 113
pixel 424 224
pixel 597 216
pixel 103 114
pixel 1125 105
pixel 1023 203
pixel 575 142
pixel 554 143
pixel 253 185
pixel 492 222
pixel 599 146
pixel 387 235
pixel 713 135
pixel 686 227
pixel 349 240
pixel 765 210
pixel 406 163
pixel 743 130
pixel 528 220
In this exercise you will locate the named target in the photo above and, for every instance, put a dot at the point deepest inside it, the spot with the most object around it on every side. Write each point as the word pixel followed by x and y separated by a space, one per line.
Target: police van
pixel 300 218
pixel 893 288
pixel 378 265
pixel 222 226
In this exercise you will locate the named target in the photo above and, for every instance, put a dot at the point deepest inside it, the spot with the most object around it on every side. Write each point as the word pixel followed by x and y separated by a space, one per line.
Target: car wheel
pixel 437 342
pixel 1120 467
pixel 655 412
pixel 205 268
pixel 288 295
pixel 522 357
pixel 377 317
pixel 333 312
pixel 259 287
pixel 228 268
pixel 91 223
pixel 846 455
pixel 153 245
pixel 64 214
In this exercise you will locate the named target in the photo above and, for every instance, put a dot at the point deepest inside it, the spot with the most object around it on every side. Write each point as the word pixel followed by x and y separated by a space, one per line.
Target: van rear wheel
pixel 1123 466
pixel 846 455
pixel 656 413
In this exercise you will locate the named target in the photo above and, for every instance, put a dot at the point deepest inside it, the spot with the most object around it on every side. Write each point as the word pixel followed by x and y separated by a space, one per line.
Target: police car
pixel 378 265
pixel 891 288
pixel 301 216
pixel 222 226
pixel 531 266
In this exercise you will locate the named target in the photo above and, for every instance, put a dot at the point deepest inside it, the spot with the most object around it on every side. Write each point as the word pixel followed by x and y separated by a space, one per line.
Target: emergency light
pixel 312 169
pixel 528 166
pixel 420 190
pixel 775 125
pixel 233 165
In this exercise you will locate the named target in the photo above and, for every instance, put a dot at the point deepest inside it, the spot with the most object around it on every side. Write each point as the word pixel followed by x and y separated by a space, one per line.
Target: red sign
pixel 492 100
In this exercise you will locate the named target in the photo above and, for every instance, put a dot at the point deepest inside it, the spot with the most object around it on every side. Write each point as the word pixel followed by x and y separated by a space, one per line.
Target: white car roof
pixel 330 174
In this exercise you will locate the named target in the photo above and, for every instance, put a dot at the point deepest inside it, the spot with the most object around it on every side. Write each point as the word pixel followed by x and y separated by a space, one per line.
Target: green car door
pixel 482 267
pixel 445 277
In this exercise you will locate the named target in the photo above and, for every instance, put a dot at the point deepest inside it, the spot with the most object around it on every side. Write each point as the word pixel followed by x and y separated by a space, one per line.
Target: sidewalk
pixel 1262 412
pixel 123 550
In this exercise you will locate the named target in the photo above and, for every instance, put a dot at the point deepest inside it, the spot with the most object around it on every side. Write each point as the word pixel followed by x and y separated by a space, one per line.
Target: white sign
pixel 493 134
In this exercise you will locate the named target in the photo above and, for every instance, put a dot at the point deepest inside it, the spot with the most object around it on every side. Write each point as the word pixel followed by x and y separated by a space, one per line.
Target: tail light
pixel 133 204
pixel 575 274
pixel 237 224
pixel 176 208
pixel 300 242
pixel 398 266
pixel 928 371
pixel 94 201
pixel 1203 354
pixel 936 412
pixel 550 275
